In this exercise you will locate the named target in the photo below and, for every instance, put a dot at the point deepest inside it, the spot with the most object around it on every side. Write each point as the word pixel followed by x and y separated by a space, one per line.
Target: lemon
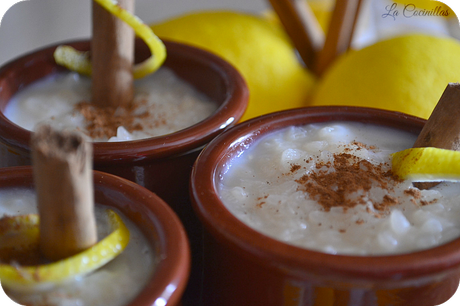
pixel 260 50
pixel 322 9
pixel 47 275
pixel 407 73
pixel 427 164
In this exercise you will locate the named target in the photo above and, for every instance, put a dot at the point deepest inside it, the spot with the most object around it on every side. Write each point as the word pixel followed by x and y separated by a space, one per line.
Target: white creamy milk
pixel 166 104
pixel 114 284
pixel 326 187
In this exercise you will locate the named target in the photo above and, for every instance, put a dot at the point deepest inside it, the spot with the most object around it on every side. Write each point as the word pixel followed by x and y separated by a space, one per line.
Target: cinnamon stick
pixel 112 57
pixel 340 33
pixel 442 130
pixel 62 167
pixel 302 27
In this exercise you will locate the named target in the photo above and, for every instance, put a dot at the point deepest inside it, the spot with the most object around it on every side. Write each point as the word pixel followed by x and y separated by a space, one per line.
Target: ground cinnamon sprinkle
pixel 414 193
pixel 261 199
pixel 103 122
pixel 295 167
pixel 386 203
pixel 362 145
pixel 352 175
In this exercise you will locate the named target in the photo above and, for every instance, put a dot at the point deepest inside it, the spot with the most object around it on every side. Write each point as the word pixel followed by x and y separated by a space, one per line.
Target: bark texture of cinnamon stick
pixel 112 57
pixel 340 33
pixel 62 164
pixel 442 130
pixel 302 27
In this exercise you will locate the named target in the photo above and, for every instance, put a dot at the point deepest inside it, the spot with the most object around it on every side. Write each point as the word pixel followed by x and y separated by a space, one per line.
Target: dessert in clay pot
pixel 120 244
pixel 172 155
pixel 303 207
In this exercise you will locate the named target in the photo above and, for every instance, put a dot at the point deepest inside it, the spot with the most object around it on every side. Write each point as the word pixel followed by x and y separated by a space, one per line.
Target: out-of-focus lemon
pixel 427 164
pixel 322 9
pixel 260 50
pixel 406 73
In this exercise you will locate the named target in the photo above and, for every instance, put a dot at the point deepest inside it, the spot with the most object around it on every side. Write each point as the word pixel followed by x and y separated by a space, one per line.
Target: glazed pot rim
pixel 247 241
pixel 180 142
pixel 171 243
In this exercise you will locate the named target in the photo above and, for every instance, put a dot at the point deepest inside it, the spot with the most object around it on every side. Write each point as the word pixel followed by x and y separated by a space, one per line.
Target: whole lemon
pixel 406 73
pixel 260 50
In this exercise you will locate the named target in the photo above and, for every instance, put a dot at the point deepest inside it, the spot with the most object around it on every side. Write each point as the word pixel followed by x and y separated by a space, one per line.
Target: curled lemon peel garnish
pixel 427 164
pixel 48 275
pixel 72 59
pixel 79 61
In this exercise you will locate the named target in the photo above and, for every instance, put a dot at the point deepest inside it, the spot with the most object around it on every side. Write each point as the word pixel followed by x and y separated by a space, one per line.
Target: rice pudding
pixel 163 104
pixel 116 283
pixel 328 187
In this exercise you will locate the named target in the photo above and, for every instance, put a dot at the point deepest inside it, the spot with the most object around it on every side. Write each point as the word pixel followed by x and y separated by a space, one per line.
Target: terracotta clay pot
pixel 161 164
pixel 153 216
pixel 245 267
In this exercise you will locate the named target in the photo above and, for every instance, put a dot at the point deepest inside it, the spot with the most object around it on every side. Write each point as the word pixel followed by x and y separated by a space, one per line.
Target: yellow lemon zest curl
pixel 427 164
pixel 79 61
pixel 47 275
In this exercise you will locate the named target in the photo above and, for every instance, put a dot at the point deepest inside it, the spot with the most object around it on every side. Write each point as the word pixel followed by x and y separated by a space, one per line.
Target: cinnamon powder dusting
pixel 345 186
pixel 104 121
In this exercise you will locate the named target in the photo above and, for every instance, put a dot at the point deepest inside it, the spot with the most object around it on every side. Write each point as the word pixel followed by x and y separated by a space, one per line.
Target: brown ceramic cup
pixel 161 164
pixel 153 216
pixel 245 267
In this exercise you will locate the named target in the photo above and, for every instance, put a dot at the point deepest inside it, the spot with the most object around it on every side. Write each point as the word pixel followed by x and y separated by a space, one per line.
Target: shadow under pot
pixel 154 267
pixel 299 208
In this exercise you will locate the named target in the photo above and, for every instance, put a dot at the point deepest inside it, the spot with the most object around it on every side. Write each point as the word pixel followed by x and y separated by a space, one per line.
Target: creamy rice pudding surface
pixel 328 187
pixel 163 104
pixel 115 284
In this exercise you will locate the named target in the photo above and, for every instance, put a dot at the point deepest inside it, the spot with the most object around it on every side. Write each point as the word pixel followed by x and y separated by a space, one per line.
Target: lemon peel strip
pixel 79 61
pixel 72 59
pixel 427 164
pixel 23 277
